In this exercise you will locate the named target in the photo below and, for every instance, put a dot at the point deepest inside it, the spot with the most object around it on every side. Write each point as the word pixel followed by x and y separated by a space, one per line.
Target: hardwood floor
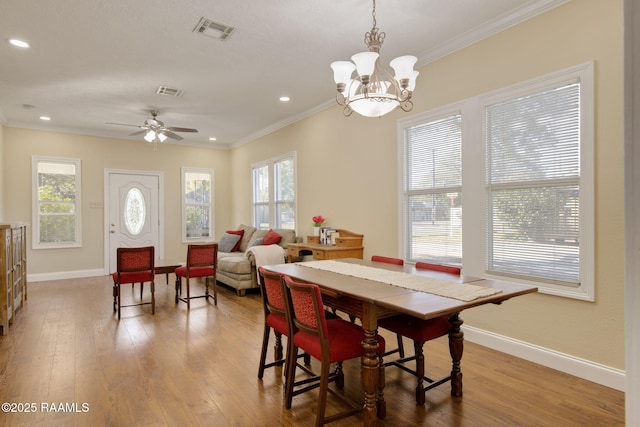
pixel 179 368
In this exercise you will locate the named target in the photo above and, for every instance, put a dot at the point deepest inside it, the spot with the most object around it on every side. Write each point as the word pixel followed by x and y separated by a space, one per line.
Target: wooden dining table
pixel 371 300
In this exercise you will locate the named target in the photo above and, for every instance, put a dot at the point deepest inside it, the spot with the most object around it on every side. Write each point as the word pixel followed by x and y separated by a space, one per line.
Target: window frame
pixel 404 192
pixel 273 202
pixel 183 173
pixel 35 203
pixel 474 181
pixel 582 74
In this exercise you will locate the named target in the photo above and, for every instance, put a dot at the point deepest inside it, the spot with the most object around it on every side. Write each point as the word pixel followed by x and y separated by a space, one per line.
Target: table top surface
pixel 415 303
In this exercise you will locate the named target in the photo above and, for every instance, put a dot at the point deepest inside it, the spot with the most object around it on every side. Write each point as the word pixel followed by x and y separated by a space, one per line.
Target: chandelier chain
pixel 373 14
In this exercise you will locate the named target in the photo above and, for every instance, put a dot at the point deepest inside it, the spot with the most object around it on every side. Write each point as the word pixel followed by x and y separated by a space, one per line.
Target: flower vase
pixel 316 231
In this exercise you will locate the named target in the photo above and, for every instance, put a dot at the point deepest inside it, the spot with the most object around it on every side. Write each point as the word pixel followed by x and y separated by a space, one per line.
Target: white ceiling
pixel 97 61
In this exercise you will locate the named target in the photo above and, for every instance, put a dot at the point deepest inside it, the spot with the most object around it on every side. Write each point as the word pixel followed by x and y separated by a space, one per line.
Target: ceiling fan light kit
pixel 373 92
pixel 155 131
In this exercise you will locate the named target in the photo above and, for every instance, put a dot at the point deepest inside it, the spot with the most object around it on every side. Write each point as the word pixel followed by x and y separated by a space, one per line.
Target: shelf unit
pixel 13 268
pixel 348 245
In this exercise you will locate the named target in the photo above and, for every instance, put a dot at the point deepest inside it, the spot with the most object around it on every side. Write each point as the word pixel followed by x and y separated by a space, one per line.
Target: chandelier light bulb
pixel 365 62
pixel 162 137
pixel 403 66
pixel 342 71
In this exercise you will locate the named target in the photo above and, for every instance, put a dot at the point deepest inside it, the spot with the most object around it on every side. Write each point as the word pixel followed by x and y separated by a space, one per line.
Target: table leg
pixel 456 346
pixel 371 370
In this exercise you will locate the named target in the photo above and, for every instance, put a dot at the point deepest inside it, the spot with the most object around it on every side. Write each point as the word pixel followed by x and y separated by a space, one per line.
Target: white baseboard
pixel 64 275
pixel 585 369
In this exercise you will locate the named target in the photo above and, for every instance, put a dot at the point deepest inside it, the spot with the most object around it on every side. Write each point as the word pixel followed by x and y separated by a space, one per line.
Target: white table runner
pixel 444 288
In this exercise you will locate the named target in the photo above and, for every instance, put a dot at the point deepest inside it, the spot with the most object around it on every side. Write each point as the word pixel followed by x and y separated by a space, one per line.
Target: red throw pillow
pixel 241 234
pixel 271 238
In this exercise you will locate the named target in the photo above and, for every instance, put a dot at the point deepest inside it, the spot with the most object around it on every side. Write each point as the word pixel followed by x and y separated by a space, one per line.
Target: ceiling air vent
pixel 163 90
pixel 210 28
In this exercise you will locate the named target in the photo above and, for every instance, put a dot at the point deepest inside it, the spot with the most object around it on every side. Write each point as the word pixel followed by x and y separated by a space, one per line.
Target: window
pixel 527 152
pixel 433 189
pixel 274 193
pixel 261 197
pixel 197 187
pixel 533 185
pixel 56 202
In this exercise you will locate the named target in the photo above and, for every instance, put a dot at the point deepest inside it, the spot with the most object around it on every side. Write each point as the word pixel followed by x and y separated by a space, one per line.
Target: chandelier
pixel 373 92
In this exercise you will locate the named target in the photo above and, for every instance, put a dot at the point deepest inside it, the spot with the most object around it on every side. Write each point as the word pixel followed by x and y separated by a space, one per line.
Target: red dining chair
pixel 201 262
pixel 272 288
pixel 437 267
pixel 327 340
pixel 134 265
pixel 420 331
pixel 275 317
pixel 393 261
pixel 387 260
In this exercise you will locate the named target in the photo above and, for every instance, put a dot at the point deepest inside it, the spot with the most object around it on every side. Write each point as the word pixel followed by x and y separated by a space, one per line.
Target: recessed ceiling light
pixel 213 138
pixel 18 43
pixel 285 98
pixel 45 118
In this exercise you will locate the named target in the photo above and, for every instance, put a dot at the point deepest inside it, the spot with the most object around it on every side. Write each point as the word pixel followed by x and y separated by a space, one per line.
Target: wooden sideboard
pixel 13 268
pixel 348 245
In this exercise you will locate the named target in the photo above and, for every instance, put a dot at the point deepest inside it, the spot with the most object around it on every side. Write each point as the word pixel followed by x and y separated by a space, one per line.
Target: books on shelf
pixel 328 236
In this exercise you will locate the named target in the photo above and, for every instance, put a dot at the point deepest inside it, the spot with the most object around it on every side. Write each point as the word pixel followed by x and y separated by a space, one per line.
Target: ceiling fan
pixel 155 131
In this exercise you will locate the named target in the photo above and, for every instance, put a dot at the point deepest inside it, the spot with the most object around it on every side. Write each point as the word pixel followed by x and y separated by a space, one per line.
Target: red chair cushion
pixel 239 233
pixel 344 341
pixel 194 271
pixel 133 277
pixel 416 329
pixel 278 323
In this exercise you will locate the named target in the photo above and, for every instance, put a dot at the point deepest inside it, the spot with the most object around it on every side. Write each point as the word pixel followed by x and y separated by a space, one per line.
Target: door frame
pixel 107 205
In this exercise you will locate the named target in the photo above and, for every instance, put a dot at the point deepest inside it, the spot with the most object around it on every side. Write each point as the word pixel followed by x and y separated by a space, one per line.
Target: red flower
pixel 318 220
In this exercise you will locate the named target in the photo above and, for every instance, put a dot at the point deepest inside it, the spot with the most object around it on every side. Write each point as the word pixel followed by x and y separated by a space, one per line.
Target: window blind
pixel 433 190
pixel 533 184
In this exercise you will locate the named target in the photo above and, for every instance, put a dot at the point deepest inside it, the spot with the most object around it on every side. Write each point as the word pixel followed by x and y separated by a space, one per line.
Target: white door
pixel 133 217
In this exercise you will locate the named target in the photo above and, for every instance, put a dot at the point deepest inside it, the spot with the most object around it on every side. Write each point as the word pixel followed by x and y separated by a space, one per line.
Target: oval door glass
pixel 134 211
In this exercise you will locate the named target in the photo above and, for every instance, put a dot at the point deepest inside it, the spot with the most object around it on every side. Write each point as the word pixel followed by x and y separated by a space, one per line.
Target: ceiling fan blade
pixel 182 129
pixel 140 132
pixel 122 124
pixel 172 135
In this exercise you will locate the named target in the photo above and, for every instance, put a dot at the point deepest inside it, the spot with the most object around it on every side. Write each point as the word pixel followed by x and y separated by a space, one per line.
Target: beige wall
pixel 347 168
pixel 98 154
